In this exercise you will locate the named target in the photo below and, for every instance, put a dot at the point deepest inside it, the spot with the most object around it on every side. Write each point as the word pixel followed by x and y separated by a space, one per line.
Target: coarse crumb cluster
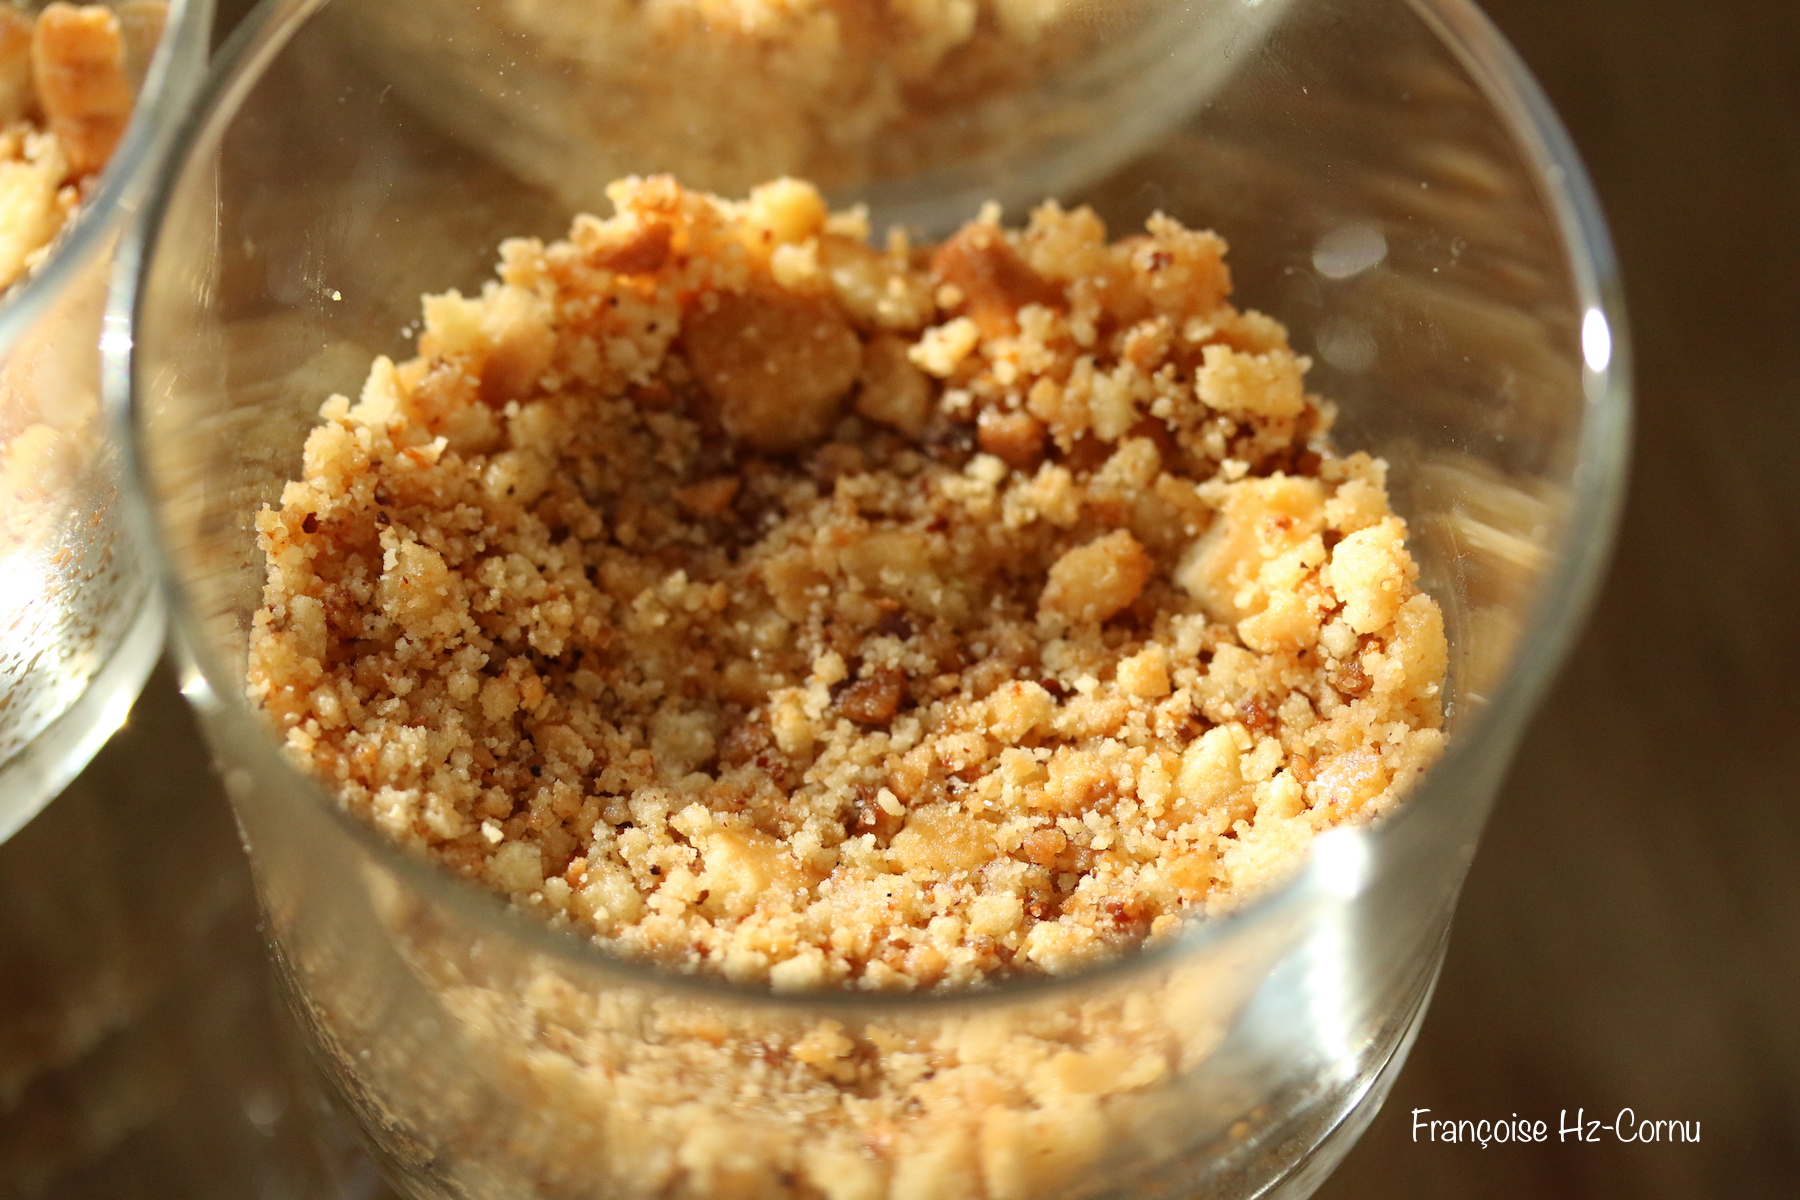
pixel 766 604
pixel 65 99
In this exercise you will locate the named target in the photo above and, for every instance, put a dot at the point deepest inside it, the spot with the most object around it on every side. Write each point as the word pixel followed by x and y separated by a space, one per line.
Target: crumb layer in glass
pixel 759 602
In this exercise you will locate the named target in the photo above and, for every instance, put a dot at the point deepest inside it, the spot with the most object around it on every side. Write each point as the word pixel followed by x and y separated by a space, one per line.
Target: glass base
pixel 1311 1171
pixel 38 773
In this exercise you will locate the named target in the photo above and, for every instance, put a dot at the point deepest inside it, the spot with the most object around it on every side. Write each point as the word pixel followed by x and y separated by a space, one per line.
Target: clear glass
pixel 140 1052
pixel 1395 190
pixel 81 621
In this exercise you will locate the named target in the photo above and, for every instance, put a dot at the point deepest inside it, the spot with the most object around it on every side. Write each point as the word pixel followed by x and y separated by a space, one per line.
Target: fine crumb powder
pixel 764 604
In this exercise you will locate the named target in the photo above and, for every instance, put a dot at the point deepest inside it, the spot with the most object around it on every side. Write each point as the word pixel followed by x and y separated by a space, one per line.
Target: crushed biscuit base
pixel 764 604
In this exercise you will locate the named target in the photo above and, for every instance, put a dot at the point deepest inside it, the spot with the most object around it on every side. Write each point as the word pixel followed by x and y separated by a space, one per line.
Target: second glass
pixel 81 620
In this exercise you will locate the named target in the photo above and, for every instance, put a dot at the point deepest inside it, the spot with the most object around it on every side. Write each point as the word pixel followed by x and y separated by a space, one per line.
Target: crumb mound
pixel 763 603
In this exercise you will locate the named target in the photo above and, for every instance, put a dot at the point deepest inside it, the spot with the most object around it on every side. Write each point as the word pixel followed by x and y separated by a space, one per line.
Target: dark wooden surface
pixel 1630 935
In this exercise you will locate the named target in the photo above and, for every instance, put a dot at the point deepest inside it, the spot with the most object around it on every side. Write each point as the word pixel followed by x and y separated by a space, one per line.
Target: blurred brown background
pixel 1630 935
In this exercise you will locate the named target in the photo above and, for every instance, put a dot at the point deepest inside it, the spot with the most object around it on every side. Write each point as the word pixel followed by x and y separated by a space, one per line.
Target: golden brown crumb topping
pixel 763 603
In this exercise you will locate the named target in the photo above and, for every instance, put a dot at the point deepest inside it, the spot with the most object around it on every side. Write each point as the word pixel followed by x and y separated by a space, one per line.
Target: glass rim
pixel 135 168
pixel 1560 606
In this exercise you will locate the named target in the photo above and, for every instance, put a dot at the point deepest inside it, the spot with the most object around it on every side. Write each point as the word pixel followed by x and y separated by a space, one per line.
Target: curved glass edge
pixel 63 749
pixel 1358 1109
pixel 176 70
pixel 1565 597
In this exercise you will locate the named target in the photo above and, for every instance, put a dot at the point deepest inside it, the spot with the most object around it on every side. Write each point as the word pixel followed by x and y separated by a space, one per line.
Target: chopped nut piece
pixel 746 740
pixel 1349 678
pixel 644 254
pixel 1015 438
pixel 710 497
pixel 778 364
pixel 1255 716
pixel 871 816
pixel 78 60
pixel 875 699
pixel 993 281
pixel 16 94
